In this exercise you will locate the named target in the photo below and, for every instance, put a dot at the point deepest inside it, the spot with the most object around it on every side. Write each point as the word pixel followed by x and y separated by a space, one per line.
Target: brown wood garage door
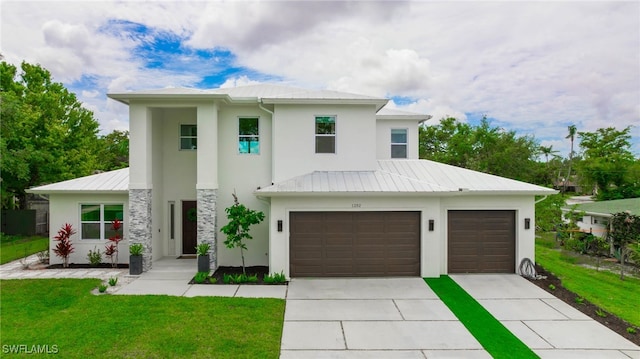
pixel 354 244
pixel 481 242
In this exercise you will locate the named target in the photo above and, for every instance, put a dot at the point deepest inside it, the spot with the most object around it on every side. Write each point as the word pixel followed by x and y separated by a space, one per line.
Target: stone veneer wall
pixel 207 223
pixel 140 222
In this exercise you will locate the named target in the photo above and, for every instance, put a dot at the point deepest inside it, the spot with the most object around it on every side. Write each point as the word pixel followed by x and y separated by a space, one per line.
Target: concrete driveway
pixel 403 318
pixel 371 318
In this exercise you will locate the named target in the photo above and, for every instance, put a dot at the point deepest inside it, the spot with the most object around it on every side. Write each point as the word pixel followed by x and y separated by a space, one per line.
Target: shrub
pixel 631 330
pixel 113 281
pixel 202 249
pixel 278 278
pixel 95 257
pixel 201 277
pixel 111 250
pixel 64 248
pixel 227 278
pixel 252 278
pixel 552 287
pixel 136 249
pixel 102 288
pixel 601 313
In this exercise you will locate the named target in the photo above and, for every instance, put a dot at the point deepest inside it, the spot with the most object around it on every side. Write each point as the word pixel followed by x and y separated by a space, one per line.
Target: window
pixel 398 143
pixel 325 134
pixel 172 220
pixel 96 220
pixel 188 137
pixel 248 136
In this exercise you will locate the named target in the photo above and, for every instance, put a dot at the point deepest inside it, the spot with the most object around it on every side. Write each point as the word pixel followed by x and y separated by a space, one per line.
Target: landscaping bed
pixel 610 321
pixel 87 266
pixel 219 275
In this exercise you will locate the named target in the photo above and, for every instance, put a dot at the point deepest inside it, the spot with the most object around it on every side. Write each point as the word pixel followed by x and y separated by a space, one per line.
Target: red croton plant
pixel 64 248
pixel 111 249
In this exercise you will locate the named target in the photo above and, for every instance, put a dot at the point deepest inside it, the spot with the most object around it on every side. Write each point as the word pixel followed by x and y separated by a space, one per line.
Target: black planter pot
pixel 203 264
pixel 135 265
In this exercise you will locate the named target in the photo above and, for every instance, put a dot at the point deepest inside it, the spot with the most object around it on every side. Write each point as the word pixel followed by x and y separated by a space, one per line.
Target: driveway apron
pixel 371 318
pixel 547 325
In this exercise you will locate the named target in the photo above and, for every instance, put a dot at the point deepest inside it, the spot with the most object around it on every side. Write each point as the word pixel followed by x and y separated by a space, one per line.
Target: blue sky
pixel 532 67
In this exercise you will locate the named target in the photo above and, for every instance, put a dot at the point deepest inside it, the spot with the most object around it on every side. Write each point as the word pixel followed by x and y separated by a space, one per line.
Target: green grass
pixel 602 288
pixel 492 335
pixel 64 313
pixel 16 247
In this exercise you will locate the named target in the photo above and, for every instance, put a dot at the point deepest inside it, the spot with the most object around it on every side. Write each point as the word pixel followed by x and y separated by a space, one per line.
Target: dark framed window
pixel 399 143
pixel 248 135
pixel 325 134
pixel 188 137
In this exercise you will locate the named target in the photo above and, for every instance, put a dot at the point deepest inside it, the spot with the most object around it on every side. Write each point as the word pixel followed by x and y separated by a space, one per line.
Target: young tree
pixel 237 230
pixel 45 134
pixel 624 232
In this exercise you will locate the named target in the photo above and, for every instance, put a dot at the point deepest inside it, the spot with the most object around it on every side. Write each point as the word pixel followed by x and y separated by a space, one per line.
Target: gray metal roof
pixel 267 93
pixel 404 176
pixel 395 114
pixel 107 182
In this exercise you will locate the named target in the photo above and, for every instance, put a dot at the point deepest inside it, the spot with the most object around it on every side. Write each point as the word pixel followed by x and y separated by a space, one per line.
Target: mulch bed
pixel 87 266
pixel 261 271
pixel 610 321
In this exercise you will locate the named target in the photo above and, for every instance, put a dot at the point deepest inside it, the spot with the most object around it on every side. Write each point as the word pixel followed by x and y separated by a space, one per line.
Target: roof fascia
pixel 380 103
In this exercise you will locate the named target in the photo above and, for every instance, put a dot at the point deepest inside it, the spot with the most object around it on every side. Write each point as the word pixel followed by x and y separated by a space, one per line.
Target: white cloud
pixel 534 66
pixel 238 81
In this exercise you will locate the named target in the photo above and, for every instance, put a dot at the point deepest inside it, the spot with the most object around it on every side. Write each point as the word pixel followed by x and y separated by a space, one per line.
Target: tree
pixel 549 212
pixel 46 134
pixel 624 232
pixel 547 151
pixel 482 148
pixel 608 163
pixel 237 230
pixel 113 151
pixel 572 134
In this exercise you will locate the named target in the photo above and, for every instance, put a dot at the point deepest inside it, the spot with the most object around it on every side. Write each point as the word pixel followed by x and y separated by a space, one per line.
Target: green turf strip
pixel 492 335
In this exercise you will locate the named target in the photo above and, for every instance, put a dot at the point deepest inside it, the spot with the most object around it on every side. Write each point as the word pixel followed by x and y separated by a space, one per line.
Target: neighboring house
pixel 337 175
pixel 598 214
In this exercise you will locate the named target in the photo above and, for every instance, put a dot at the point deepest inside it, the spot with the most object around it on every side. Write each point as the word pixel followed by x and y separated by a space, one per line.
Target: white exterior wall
pixel 597 225
pixel 433 257
pixel 243 173
pixel 430 242
pixel 65 208
pixel 523 206
pixel 294 140
pixel 383 137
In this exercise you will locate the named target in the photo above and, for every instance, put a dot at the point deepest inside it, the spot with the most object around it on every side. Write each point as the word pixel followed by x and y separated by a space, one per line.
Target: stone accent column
pixel 140 222
pixel 207 223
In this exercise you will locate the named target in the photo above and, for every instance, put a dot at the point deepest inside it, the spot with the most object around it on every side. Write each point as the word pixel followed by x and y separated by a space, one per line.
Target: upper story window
pixel 248 135
pixel 399 143
pixel 188 137
pixel 325 134
pixel 95 220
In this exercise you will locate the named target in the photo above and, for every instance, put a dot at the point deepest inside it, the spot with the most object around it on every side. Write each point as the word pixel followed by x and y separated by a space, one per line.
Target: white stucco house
pixel 597 215
pixel 337 175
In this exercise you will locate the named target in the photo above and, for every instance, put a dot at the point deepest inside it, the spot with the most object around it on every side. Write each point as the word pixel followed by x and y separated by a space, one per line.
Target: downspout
pixel 541 199
pixel 273 130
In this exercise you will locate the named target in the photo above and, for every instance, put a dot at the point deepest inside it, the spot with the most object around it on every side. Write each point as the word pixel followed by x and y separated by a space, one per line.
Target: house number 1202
pixel 356 205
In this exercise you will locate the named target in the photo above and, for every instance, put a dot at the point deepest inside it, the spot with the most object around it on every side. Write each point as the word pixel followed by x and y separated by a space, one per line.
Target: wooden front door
pixel 189 227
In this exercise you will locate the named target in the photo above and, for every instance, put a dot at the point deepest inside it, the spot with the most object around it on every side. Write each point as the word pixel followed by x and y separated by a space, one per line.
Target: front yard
pixel 16 247
pixel 601 287
pixel 63 313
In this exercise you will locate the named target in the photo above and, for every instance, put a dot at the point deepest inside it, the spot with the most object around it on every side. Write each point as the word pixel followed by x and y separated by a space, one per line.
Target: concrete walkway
pixel 171 276
pixel 15 270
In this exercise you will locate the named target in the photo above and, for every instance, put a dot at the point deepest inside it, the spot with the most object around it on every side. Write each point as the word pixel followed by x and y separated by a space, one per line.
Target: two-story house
pixel 337 175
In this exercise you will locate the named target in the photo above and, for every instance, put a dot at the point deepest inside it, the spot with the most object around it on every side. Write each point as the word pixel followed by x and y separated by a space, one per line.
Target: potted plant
pixel 135 258
pixel 204 264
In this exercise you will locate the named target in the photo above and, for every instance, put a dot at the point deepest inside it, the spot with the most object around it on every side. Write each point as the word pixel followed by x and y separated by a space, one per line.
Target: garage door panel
pixel 355 244
pixel 481 241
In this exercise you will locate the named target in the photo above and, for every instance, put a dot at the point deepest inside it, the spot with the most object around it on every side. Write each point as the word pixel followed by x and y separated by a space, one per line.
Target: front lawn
pixel 16 247
pixel 63 312
pixel 602 288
